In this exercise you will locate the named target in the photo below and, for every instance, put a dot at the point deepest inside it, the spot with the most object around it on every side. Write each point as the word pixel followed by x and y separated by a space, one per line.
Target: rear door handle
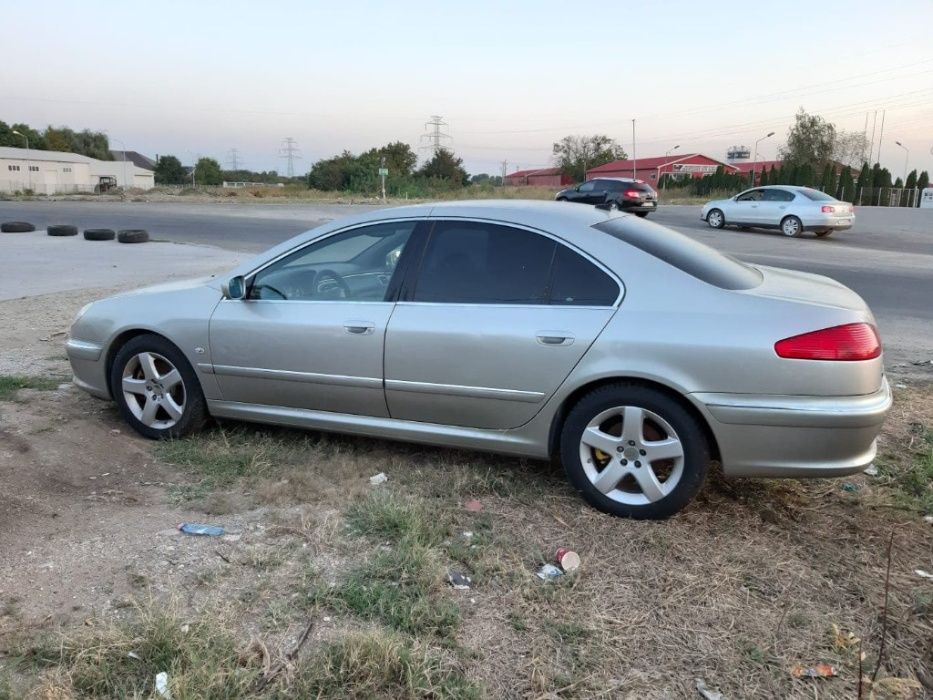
pixel 359 327
pixel 555 338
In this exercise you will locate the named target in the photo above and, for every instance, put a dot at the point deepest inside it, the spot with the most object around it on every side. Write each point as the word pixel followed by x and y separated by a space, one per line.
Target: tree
pixel 399 159
pixel 574 155
pixel 486 179
pixel 208 172
pixel 846 187
pixel 864 177
pixel 169 171
pixel 911 182
pixel 444 165
pixel 923 180
pixel 898 183
pixel 764 178
pixel 850 147
pixel 810 141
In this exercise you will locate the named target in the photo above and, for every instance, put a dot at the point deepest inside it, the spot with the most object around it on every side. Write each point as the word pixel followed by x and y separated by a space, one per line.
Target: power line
pixel 434 134
pixel 290 151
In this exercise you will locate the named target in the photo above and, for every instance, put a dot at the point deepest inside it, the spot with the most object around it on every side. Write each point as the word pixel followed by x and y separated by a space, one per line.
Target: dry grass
pixel 754 578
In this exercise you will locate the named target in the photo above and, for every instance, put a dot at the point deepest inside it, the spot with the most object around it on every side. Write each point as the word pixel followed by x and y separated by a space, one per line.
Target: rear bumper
pixel 635 206
pixel 795 436
pixel 834 223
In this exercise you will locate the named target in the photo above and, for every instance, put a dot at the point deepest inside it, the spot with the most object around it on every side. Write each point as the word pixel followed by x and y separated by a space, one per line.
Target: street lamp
pixel 28 167
pixel 906 157
pixel 123 151
pixel 671 150
pixel 755 161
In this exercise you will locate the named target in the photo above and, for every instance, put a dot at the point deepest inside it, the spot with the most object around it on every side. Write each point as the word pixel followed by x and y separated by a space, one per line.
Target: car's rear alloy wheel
pixel 791 226
pixel 633 451
pixel 715 219
pixel 156 389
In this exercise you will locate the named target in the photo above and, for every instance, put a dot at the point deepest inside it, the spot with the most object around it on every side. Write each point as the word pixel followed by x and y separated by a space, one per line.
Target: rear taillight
pixel 826 209
pixel 632 194
pixel 853 341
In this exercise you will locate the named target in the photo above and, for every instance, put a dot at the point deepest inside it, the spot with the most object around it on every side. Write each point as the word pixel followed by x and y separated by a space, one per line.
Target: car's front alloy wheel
pixel 633 451
pixel 156 389
pixel 716 219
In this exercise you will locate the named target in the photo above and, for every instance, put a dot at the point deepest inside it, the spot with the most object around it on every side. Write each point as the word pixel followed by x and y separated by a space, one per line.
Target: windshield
pixel 684 253
pixel 815 195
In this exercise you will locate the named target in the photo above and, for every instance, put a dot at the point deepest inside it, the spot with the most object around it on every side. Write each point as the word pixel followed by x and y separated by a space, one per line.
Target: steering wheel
pixel 320 284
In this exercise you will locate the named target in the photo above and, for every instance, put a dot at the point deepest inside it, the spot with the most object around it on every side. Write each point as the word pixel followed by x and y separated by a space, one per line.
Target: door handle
pixel 555 338
pixel 359 327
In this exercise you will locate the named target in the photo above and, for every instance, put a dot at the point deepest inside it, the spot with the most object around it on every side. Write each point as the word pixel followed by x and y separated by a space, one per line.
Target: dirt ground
pixel 752 579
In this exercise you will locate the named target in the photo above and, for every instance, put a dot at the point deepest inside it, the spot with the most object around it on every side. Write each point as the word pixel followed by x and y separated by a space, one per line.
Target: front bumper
pixel 795 436
pixel 88 366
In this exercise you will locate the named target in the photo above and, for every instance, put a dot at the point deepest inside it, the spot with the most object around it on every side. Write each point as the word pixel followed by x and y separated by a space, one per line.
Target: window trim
pixel 410 282
pixel 391 290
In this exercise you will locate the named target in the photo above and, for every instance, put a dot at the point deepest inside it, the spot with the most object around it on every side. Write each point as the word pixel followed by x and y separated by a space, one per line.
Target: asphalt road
pixel 887 257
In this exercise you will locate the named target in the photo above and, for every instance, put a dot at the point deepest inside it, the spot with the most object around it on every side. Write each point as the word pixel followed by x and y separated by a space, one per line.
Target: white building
pixel 55 172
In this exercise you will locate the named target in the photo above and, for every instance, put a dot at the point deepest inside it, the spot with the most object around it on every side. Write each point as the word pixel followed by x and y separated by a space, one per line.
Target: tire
pixel 16 227
pixel 62 230
pixel 132 236
pixel 621 493
pixel 561 199
pixel 824 233
pixel 99 234
pixel 715 218
pixel 641 214
pixel 167 401
pixel 791 226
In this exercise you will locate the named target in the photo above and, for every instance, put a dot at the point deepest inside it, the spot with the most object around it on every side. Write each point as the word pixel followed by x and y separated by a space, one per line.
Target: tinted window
pixel 684 253
pixel 612 185
pixel 816 195
pixel 750 196
pixel 773 195
pixel 575 281
pixel 355 265
pixel 480 263
pixel 588 186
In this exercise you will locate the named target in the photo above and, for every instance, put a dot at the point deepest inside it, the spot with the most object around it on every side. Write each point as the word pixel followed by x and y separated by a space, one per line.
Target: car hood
pixel 793 285
pixel 176 286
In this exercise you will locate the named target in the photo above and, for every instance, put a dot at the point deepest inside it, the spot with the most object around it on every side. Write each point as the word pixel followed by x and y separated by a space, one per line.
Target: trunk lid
pixel 806 287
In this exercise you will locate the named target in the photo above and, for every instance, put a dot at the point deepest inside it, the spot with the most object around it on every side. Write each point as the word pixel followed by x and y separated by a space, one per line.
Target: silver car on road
pixel 630 352
pixel 792 210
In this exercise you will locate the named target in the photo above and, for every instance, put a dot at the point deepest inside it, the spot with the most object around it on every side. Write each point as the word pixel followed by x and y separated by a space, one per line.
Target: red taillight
pixel 853 341
pixel 826 209
pixel 632 194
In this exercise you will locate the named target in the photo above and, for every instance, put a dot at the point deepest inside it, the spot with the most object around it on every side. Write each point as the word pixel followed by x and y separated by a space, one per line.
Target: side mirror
pixel 235 288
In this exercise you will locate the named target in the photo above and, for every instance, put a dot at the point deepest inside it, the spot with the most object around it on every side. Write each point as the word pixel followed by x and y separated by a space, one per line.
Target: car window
pixel 470 262
pixel 355 265
pixel 775 195
pixel 750 196
pixel 684 253
pixel 612 185
pixel 815 195
pixel 575 281
pixel 588 186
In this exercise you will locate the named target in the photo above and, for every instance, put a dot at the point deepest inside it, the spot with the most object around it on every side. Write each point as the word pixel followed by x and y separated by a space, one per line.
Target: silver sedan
pixel 629 351
pixel 792 210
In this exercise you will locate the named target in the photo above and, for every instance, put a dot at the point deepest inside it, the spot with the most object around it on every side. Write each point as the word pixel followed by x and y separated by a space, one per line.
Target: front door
pixel 497 318
pixel 310 333
pixel 747 208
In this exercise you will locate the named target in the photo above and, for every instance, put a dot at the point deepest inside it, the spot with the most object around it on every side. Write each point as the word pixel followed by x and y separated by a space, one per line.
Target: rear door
pixel 774 206
pixel 491 323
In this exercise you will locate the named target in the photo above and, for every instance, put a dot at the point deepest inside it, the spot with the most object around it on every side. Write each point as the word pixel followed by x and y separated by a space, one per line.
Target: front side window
pixel 473 262
pixel 587 186
pixel 355 265
pixel 750 196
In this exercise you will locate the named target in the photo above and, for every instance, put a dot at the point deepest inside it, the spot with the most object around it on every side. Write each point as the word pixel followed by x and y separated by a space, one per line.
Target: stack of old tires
pixel 130 235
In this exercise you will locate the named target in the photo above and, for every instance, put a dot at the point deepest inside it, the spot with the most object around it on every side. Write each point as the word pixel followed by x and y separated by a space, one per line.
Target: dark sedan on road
pixel 626 194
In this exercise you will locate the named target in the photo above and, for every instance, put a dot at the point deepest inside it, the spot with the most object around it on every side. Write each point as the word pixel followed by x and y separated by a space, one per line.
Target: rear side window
pixel 684 253
pixel 773 195
pixel 816 195
pixel 473 262
pixel 575 281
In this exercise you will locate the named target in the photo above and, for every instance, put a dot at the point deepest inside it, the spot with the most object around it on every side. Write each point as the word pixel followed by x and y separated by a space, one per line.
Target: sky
pixel 201 78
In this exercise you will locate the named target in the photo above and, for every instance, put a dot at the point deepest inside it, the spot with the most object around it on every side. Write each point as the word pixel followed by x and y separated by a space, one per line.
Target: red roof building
pixel 746 167
pixel 650 170
pixel 541 177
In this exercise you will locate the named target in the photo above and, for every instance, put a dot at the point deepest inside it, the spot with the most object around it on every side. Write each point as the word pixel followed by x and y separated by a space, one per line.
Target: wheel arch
pixel 121 339
pixel 577 394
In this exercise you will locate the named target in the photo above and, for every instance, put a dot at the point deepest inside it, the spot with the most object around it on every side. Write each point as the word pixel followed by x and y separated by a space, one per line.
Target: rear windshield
pixel 684 253
pixel 815 195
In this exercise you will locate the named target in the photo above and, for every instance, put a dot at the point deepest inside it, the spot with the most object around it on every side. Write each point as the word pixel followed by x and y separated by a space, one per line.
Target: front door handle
pixel 555 338
pixel 359 327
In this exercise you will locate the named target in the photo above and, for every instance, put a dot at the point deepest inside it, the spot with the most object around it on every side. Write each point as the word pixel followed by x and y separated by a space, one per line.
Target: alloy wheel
pixel 153 390
pixel 790 226
pixel 714 219
pixel 632 455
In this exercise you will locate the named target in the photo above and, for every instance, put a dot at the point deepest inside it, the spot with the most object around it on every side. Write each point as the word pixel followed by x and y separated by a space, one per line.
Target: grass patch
pixel 379 665
pixel 12 383
pixel 202 660
pixel 395 518
pixel 401 588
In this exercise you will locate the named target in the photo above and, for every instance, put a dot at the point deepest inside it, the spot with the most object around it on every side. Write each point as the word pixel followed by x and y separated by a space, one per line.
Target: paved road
pixel 887 257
